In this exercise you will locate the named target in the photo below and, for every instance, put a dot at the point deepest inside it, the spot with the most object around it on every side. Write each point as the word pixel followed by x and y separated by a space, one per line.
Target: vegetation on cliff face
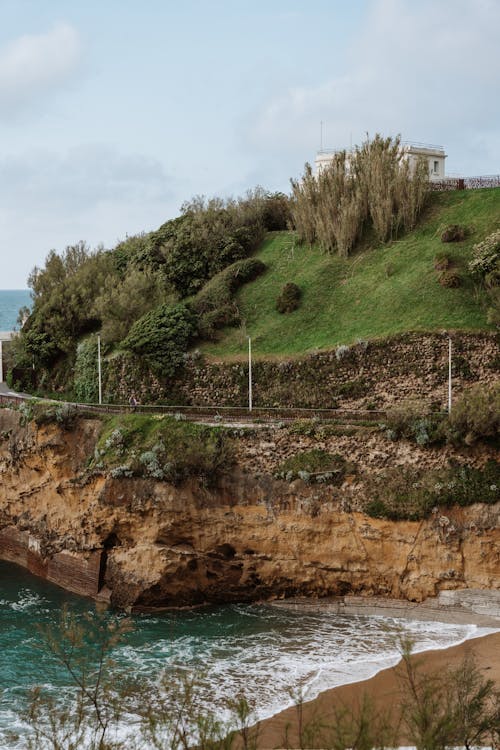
pixel 162 448
pixel 475 417
pixel 315 466
pixel 408 493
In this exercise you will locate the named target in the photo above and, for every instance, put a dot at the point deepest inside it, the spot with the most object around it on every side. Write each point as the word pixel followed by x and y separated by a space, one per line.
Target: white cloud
pixel 427 70
pixel 33 64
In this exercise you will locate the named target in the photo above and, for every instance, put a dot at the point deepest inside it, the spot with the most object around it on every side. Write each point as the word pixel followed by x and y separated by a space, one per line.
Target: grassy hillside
pixel 379 291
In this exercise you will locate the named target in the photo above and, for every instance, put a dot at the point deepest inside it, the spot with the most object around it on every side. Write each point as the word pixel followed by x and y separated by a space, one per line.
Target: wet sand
pixel 384 691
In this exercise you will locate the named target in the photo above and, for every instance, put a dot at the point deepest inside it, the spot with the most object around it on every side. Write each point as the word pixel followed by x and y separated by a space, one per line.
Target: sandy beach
pixel 384 691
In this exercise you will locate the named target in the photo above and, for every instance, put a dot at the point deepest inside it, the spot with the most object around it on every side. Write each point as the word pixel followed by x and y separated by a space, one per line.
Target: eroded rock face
pixel 148 544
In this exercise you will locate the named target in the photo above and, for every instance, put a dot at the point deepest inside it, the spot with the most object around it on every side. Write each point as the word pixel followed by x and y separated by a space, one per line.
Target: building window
pixel 436 167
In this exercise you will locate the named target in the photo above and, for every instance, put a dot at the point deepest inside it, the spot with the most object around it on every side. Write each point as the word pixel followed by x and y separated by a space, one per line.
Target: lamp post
pixel 99 367
pixel 249 374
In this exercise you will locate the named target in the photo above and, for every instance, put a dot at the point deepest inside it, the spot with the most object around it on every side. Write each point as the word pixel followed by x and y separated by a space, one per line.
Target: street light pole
pixel 249 374
pixel 449 375
pixel 99 367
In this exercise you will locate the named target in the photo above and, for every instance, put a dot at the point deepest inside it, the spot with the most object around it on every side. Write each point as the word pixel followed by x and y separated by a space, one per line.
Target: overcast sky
pixel 113 113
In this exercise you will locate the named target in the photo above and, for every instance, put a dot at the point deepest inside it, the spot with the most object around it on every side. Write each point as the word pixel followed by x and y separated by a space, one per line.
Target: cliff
pixel 142 542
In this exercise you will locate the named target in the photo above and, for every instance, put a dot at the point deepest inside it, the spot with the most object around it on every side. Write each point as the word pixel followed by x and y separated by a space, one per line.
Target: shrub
pixel 164 449
pixel 465 485
pixel 486 256
pixel 215 305
pixel 86 376
pixel 342 351
pixel 315 465
pixel 162 336
pixel 289 298
pixel 450 279
pixel 413 421
pixel 454 233
pixel 64 414
pixel 410 494
pixel 398 494
pixel 476 416
pixel 305 427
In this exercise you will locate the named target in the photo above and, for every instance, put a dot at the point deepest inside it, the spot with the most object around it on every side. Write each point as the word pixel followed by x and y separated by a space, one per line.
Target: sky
pixel 113 113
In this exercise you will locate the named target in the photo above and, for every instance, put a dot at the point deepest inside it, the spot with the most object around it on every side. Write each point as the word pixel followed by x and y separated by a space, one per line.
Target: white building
pixel 434 155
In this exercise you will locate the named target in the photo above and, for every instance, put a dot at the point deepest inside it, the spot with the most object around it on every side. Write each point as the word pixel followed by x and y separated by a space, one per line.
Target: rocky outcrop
pixel 146 543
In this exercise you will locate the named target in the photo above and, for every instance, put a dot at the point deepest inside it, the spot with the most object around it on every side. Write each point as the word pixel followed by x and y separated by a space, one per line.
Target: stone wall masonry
pixel 368 375
pixel 374 374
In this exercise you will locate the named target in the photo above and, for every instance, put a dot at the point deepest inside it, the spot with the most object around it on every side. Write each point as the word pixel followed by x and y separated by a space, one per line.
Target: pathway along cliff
pixel 228 530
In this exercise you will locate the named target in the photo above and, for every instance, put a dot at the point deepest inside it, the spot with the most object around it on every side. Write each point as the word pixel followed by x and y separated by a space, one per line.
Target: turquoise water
pixel 259 649
pixel 11 301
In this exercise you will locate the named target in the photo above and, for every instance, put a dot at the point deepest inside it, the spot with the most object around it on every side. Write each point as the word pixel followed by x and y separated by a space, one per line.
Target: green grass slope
pixel 379 291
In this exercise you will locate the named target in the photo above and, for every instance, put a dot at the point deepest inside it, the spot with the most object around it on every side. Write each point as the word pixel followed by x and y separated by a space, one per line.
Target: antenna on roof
pixel 321 135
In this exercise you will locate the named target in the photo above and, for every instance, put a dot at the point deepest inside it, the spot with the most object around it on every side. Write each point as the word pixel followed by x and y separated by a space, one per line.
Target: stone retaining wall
pixel 370 375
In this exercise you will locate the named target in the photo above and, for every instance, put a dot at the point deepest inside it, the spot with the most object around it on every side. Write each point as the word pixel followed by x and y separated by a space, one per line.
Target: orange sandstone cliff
pixel 146 543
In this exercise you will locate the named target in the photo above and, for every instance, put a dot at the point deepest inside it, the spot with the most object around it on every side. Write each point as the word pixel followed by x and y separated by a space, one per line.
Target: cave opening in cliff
pixel 111 541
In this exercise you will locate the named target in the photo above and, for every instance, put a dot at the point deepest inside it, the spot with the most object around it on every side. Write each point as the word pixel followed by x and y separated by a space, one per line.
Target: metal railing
pixel 466 183
pixel 417 144
pixel 215 413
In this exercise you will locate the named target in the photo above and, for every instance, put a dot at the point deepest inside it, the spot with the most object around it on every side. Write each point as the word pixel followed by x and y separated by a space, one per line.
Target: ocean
pixel 265 652
pixel 11 301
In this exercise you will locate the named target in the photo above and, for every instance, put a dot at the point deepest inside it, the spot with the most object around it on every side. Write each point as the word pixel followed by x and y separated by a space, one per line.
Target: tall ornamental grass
pixel 372 186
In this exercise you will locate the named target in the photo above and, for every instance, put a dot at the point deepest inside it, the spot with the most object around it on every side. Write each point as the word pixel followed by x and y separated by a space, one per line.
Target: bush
pixel 214 304
pixel 450 279
pixel 86 384
pixel 289 299
pixel 454 233
pixel 163 449
pixel 412 420
pixel 486 256
pixel 316 465
pixel 410 494
pixel 476 416
pixel 465 485
pixel 162 336
pixel 398 494
pixel 342 351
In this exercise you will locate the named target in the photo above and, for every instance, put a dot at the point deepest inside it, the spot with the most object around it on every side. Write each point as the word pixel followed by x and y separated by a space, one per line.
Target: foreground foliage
pixel 435 710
